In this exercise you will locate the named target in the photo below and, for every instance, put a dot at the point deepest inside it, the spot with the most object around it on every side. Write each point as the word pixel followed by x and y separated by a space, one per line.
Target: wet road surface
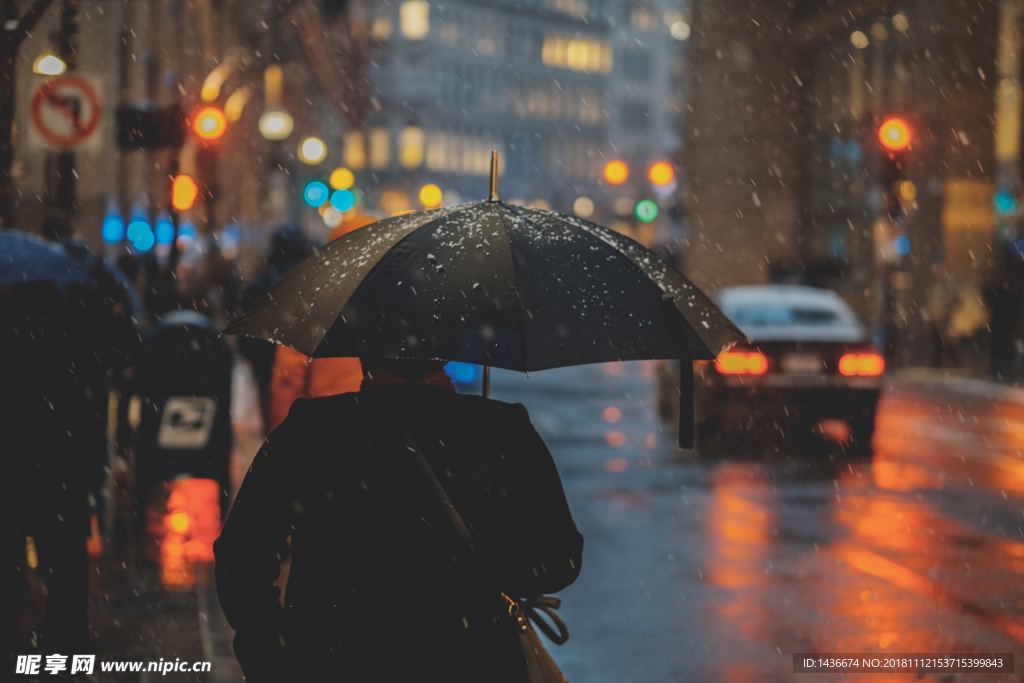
pixel 719 569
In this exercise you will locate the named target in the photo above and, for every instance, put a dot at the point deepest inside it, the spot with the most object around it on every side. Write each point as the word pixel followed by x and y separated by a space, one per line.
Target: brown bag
pixel 540 667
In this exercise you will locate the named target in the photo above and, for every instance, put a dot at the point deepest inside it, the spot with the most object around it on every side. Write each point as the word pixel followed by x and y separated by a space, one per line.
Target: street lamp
pixel 276 124
pixel 312 150
pixel 49 64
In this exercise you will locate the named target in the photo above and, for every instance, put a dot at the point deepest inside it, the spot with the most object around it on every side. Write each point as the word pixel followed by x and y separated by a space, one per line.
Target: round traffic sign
pixel 65 110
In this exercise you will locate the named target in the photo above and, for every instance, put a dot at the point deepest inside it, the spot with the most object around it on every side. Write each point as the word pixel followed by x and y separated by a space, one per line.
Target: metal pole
pixel 494 176
pixel 487 381
pixel 64 186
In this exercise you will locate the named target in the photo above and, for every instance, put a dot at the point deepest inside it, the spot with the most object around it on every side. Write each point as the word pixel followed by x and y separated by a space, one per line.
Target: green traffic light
pixel 646 210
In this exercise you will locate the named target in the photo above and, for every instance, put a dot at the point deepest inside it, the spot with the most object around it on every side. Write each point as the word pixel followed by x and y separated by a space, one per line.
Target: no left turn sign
pixel 65 110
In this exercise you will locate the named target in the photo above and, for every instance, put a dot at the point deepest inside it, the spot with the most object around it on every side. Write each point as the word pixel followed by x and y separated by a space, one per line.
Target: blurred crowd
pixel 115 385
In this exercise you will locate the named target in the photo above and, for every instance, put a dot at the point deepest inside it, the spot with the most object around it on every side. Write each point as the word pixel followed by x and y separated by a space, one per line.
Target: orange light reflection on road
pixel 189 524
pixel 612 414
pixel 615 438
pixel 739 529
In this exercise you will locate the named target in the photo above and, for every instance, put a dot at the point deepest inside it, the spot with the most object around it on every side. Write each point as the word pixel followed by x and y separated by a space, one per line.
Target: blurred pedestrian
pixel 940 303
pixel 296 375
pixel 288 246
pixel 1005 297
pixel 381 586
pixel 49 425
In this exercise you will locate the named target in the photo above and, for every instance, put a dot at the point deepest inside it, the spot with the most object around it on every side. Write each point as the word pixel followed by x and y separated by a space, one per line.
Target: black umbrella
pixel 494 284
pixel 25 258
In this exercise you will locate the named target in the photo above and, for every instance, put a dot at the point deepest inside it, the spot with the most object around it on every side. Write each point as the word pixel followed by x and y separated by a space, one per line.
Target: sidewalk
pixel 949 382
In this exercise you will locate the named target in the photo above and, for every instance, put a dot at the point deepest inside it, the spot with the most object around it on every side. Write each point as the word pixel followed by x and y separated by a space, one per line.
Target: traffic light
pixel 184 191
pixel 894 134
pixel 144 128
pixel 210 124
pixel 646 210
pixel 616 172
pixel 661 173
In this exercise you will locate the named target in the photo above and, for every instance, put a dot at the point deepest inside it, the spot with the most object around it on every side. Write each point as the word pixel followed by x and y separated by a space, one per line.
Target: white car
pixel 809 364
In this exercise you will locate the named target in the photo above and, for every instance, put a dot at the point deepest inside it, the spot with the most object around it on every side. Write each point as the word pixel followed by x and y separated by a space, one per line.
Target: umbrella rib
pixel 633 264
pixel 519 295
pixel 366 278
pixel 587 227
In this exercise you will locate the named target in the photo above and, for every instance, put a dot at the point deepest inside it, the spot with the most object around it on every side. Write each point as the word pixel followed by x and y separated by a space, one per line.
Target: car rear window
pixel 772 315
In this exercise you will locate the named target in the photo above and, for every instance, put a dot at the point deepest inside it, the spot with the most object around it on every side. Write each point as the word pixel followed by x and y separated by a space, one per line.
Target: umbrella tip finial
pixel 494 176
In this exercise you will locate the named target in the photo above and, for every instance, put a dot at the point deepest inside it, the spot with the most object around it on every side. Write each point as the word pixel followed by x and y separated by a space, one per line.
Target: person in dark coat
pixel 48 423
pixel 381 586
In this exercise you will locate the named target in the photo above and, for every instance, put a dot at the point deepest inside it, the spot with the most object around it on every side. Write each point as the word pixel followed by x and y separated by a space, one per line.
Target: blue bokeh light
pixel 463 373
pixel 164 229
pixel 316 193
pixel 343 200
pixel 113 228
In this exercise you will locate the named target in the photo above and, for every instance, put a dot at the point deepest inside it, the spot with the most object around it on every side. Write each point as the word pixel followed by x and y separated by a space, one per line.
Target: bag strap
pixel 522 610
pixel 435 485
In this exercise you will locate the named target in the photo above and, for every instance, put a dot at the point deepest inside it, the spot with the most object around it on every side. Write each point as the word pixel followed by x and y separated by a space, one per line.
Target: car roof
pixel 846 327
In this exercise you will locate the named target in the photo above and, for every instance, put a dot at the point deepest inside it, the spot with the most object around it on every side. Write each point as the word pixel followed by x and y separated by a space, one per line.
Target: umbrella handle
pixel 487 382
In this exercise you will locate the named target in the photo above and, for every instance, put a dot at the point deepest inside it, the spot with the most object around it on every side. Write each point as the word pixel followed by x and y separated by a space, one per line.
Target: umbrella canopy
pixel 25 258
pixel 493 284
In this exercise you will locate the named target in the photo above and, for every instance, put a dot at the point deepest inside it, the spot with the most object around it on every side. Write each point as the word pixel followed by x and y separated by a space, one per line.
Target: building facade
pixel 786 174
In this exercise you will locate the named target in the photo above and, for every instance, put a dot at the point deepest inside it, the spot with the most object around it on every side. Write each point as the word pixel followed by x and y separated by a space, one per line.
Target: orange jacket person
pixel 296 375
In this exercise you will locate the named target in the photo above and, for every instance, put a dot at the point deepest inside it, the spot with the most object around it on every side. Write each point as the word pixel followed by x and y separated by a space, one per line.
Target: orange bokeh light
pixel 210 123
pixel 894 134
pixel 616 172
pixel 661 173
pixel 184 191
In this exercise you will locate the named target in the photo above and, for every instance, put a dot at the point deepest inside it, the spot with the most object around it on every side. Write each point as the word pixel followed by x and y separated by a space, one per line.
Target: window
pixel 577 53
pixel 355 150
pixel 410 147
pixel 380 148
pixel 415 19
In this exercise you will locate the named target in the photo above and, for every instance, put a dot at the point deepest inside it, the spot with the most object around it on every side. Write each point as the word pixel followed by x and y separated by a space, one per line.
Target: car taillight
pixel 737 362
pixel 861 365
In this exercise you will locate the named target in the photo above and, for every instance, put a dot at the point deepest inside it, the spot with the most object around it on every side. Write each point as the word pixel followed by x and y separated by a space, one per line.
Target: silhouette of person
pixel 381 586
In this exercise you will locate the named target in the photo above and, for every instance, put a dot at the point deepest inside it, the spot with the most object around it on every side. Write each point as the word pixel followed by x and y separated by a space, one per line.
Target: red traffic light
pixel 894 134
pixel 184 191
pixel 210 124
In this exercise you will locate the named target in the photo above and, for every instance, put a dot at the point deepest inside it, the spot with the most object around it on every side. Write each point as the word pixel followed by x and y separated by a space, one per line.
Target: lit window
pixel 381 28
pixel 415 17
pixel 486 46
pixel 577 54
pixel 410 147
pixel 380 148
pixel 355 150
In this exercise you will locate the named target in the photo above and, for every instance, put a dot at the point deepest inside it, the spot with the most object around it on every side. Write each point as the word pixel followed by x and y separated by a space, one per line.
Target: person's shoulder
pixel 313 414
pixel 490 407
